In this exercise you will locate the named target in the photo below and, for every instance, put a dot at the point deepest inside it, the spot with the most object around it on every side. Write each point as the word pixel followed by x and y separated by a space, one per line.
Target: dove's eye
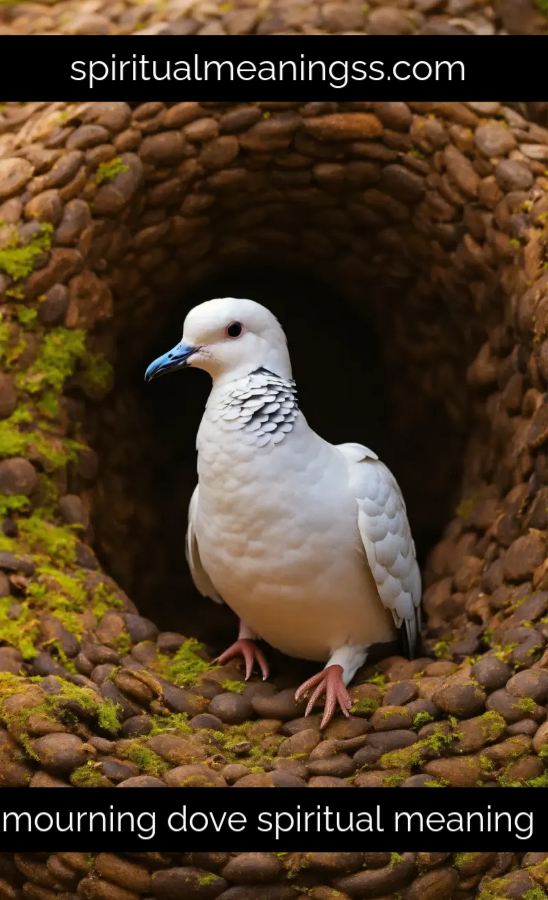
pixel 234 330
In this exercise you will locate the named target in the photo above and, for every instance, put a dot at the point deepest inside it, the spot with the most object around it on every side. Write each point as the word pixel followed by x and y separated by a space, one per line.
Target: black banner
pixel 265 819
pixel 342 68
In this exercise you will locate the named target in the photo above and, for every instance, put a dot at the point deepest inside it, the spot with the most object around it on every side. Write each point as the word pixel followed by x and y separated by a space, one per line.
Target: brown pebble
pixel 463 699
pixel 194 776
pixel 187 882
pixel 60 753
pixel 457 772
pixel 125 873
pixel 340 766
pixel 379 881
pixel 231 708
pixel 8 395
pixel 280 706
pixel 439 884
pixel 300 744
pixel 491 673
pixel 44 780
pixel 233 771
pixel 142 781
pixel 327 781
pixel 17 476
pixel 252 867
pixel 176 750
pixel 117 770
pixel 136 725
pixel 346 729
pixel 514 708
pixel 388 718
pixel 400 694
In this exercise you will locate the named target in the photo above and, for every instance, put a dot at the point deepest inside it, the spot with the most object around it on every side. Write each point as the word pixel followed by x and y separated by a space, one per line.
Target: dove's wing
pixel 199 576
pixel 387 540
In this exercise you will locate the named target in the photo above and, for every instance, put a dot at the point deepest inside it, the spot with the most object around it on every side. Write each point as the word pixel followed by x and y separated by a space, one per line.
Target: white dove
pixel 307 542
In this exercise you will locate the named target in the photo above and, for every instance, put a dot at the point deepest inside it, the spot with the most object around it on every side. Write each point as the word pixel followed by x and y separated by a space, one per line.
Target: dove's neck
pixel 275 360
pixel 256 409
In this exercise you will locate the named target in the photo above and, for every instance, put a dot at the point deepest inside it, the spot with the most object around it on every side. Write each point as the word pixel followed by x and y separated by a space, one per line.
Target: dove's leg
pixel 246 647
pixel 332 681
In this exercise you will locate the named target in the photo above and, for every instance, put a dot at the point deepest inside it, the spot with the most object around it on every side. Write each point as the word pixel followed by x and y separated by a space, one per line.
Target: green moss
pixel 236 687
pixel 395 858
pixel 59 654
pixel 21 632
pixel 107 716
pixel 98 372
pixel 54 542
pixel 9 684
pixel 10 504
pixel 106 711
pixel 466 507
pixel 539 781
pixel 527 704
pixel 492 725
pixel 5 334
pixel 422 718
pixel 395 779
pixel 102 599
pixel 54 452
pixel 86 776
pixel 210 878
pixel 53 709
pixel 365 704
pixel 461 859
pixel 108 171
pixel 187 664
pixel 537 892
pixel 442 650
pixel 123 644
pixel 59 352
pixel 15 352
pixel 486 763
pixel 27 318
pixel 12 441
pixel 175 723
pixel 378 678
pixel 18 261
pixel 146 760
pixel 412 755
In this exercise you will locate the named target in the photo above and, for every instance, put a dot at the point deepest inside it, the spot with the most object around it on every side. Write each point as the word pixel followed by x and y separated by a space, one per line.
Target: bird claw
pixel 329 682
pixel 251 654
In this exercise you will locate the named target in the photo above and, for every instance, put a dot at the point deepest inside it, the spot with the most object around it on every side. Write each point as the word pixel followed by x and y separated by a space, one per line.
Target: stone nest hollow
pixel 404 245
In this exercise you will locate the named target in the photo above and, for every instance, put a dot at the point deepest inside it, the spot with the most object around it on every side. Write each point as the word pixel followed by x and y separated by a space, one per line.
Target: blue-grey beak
pixel 173 359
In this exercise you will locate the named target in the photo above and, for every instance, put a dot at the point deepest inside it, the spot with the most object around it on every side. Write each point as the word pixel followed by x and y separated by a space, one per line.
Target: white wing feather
pixel 386 536
pixel 199 576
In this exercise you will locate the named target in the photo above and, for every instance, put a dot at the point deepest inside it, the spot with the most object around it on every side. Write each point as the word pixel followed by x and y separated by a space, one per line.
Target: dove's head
pixel 229 338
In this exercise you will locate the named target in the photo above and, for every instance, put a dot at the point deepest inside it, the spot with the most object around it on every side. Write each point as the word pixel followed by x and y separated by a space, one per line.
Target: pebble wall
pixel 213 17
pixel 272 876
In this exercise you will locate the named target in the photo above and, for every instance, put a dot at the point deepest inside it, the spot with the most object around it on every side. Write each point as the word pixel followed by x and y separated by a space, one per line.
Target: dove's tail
pixel 411 635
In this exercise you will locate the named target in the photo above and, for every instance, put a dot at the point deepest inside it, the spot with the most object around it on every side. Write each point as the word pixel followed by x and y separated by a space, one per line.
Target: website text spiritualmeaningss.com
pixel 336 73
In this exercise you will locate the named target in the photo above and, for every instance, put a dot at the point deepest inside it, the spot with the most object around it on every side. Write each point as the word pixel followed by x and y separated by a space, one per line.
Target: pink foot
pixel 330 683
pixel 251 654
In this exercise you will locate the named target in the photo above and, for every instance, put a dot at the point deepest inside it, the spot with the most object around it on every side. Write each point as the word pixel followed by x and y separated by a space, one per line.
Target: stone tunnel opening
pixel 145 434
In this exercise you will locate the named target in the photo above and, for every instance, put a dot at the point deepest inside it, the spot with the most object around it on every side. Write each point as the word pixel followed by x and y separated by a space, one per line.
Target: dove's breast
pixel 278 536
